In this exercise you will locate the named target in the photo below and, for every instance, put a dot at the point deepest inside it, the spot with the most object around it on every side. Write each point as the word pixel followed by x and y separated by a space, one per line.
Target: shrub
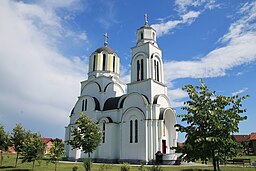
pixel 125 167
pixel 75 168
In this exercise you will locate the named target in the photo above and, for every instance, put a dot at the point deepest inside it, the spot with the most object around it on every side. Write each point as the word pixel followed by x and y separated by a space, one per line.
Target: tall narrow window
pixel 104 62
pixel 141 71
pixel 83 105
pixel 94 63
pixel 153 36
pixel 157 70
pixel 138 70
pixel 114 63
pixel 136 131
pixel 103 131
pixel 131 134
pixel 141 35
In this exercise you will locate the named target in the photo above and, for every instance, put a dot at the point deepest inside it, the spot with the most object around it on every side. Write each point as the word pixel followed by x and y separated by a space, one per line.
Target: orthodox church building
pixel 136 118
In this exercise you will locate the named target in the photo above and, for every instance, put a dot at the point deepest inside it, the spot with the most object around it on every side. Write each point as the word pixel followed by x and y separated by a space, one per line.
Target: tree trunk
pixel 218 164
pixel 33 166
pixel 1 158
pixel 214 161
pixel 89 155
pixel 55 165
pixel 16 162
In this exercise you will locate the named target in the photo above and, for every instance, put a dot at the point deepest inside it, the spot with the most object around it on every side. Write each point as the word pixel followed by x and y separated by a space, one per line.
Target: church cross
pixel 146 19
pixel 106 39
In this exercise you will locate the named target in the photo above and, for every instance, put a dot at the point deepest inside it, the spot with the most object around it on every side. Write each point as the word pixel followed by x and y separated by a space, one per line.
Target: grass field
pixel 9 162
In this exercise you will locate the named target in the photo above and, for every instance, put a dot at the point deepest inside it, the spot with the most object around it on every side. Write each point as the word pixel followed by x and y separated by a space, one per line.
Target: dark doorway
pixel 164 146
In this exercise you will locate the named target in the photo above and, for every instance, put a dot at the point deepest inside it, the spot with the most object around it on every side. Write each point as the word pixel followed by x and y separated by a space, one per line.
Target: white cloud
pixel 37 82
pixel 184 5
pixel 238 48
pixel 166 27
pixel 240 91
pixel 186 14
pixel 177 97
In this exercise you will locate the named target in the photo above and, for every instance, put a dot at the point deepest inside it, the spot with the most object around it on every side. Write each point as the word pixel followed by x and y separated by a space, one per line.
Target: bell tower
pixel 147 75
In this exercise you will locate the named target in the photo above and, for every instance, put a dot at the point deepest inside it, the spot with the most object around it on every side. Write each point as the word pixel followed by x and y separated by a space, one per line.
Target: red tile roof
pixel 242 138
pixel 46 140
pixel 253 136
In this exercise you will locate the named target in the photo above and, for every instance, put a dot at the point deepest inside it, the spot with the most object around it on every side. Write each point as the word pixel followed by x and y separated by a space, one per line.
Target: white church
pixel 136 118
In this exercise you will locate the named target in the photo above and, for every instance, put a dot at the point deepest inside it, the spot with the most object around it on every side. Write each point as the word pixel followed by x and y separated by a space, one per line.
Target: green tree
pixel 32 149
pixel 210 122
pixel 19 134
pixel 86 135
pixel 57 151
pixel 4 142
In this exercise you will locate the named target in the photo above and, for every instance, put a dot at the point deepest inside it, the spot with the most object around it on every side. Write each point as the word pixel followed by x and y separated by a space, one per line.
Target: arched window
pixel 136 131
pixel 138 70
pixel 114 63
pixel 103 131
pixel 104 62
pixel 83 105
pixel 141 71
pixel 157 70
pixel 131 133
pixel 94 63
pixel 141 35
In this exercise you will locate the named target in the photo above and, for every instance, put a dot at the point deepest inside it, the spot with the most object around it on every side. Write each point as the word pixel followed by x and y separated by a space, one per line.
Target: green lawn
pixel 9 161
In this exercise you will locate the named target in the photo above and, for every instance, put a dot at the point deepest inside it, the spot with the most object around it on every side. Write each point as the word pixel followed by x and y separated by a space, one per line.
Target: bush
pixel 75 168
pixel 88 164
pixel 155 168
pixel 125 167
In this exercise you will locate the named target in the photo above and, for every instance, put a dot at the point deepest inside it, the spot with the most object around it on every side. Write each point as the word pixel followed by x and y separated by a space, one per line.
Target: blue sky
pixel 45 45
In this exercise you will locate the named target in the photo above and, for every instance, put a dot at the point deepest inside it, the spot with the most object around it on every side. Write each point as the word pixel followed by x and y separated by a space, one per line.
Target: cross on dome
pixel 106 39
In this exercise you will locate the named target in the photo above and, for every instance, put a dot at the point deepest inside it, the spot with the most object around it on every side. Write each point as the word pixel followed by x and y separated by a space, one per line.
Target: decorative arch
pixel 168 118
pixel 124 116
pixel 157 98
pixel 92 82
pixel 113 84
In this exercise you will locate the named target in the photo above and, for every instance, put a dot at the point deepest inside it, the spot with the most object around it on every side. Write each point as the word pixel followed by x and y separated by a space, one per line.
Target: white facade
pixel 136 123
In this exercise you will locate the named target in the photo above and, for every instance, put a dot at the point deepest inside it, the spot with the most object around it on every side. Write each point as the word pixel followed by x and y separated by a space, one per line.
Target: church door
pixel 164 146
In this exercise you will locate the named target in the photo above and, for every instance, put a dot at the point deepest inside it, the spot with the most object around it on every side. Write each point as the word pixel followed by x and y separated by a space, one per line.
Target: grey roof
pixel 106 49
pixel 111 103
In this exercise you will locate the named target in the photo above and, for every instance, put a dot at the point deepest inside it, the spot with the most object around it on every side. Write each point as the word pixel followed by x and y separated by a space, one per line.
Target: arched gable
pixel 135 100
pixel 114 86
pixel 91 87
pixel 162 100
pixel 133 112
pixel 92 103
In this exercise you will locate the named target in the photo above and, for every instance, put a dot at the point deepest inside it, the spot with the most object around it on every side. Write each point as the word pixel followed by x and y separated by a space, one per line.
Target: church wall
pixel 131 150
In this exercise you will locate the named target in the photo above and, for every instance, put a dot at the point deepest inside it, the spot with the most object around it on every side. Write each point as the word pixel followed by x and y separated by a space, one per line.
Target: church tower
pixel 147 75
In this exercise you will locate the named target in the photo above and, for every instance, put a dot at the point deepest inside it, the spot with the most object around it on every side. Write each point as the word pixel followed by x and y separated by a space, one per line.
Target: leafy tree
pixel 32 149
pixel 18 136
pixel 4 142
pixel 57 151
pixel 86 135
pixel 210 119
